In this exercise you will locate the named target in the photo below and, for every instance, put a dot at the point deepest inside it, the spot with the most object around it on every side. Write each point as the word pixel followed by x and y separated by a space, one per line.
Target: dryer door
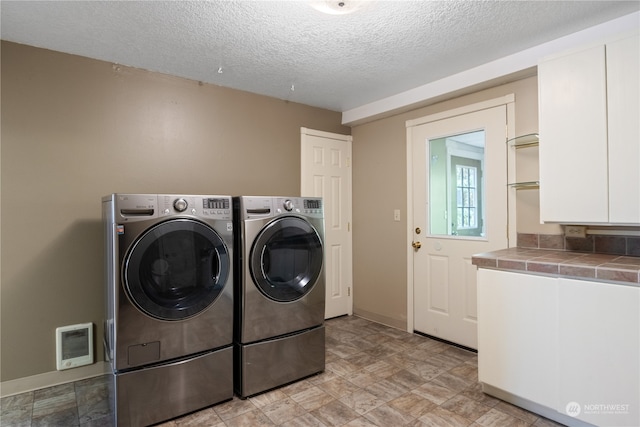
pixel 286 259
pixel 176 269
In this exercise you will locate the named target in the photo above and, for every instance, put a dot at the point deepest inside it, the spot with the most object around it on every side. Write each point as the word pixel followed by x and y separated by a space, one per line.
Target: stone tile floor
pixel 375 376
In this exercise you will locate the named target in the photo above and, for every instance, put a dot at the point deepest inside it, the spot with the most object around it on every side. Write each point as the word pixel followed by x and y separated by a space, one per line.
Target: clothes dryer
pixel 280 291
pixel 169 297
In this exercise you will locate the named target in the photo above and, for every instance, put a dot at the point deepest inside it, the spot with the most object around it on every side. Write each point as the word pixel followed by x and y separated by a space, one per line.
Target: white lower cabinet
pixel 599 357
pixel 517 334
pixel 568 349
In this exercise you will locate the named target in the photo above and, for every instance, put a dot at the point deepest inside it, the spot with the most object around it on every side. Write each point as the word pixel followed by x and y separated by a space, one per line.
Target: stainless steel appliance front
pixel 164 391
pixel 280 291
pixel 169 296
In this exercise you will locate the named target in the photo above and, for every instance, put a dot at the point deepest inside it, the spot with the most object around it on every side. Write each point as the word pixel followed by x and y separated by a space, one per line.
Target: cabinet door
pixel 599 357
pixel 517 334
pixel 623 97
pixel 573 138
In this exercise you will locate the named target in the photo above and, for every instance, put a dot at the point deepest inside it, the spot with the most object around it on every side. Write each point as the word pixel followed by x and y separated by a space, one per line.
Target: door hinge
pixel 349 291
pixel 348 162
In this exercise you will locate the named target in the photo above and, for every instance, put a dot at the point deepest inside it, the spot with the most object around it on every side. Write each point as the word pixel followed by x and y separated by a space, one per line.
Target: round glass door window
pixel 286 259
pixel 176 269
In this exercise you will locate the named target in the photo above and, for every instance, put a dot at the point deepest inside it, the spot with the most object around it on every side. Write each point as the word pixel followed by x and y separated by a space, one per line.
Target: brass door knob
pixel 416 245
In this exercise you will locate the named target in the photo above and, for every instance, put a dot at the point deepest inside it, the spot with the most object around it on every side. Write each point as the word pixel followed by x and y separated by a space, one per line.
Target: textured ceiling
pixel 337 62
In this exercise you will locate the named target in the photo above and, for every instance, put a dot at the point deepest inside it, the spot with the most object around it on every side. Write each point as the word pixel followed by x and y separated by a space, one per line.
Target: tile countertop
pixel 577 265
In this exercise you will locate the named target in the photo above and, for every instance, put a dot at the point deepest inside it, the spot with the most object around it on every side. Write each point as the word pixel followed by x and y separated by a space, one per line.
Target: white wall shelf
pixel 520 142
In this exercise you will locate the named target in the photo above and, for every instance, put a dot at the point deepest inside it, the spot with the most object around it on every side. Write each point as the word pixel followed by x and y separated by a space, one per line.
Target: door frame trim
pixel 507 100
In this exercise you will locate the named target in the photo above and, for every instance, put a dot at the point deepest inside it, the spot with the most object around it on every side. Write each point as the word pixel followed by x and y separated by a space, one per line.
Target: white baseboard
pixel 49 379
pixel 378 318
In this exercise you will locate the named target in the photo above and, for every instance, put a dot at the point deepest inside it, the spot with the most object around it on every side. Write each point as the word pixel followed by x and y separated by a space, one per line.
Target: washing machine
pixel 169 304
pixel 279 291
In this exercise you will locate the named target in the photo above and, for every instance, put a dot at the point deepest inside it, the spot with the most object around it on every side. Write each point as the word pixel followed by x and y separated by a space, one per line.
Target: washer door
pixel 286 259
pixel 176 269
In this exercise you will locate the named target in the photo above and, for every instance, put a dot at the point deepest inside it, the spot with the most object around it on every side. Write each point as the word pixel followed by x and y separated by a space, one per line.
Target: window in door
pixel 466 191
pixel 467 201
pixel 455 185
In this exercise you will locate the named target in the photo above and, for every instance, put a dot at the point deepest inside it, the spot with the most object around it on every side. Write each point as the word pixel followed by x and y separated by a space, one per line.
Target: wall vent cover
pixel 74 346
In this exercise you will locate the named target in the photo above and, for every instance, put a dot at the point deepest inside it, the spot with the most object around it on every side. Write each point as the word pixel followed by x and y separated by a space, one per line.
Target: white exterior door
pixel 326 172
pixel 459 208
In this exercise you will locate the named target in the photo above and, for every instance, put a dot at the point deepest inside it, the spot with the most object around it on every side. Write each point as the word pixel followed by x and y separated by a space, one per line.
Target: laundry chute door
pixel 326 172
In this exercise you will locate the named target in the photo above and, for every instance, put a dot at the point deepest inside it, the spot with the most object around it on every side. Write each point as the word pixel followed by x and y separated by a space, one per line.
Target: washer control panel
pixel 180 205
pixel 141 207
pixel 214 207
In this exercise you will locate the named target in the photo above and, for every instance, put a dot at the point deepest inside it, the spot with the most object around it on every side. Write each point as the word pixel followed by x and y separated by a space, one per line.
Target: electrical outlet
pixel 396 215
pixel 575 231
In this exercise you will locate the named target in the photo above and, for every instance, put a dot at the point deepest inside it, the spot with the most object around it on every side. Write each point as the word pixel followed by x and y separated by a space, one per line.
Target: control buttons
pixel 180 205
pixel 288 205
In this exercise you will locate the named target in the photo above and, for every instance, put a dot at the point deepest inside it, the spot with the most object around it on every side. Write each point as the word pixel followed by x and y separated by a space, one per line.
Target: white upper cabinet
pixel 590 135
pixel 623 94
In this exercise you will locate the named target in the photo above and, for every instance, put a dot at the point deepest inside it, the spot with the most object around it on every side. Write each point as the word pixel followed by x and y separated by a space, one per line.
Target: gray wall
pixel 76 129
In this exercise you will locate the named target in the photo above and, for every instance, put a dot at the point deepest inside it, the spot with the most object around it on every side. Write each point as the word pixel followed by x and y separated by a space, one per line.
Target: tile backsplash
pixel 604 244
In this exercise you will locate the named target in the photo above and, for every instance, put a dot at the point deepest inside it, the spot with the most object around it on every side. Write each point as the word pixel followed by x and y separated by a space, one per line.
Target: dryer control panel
pixel 254 207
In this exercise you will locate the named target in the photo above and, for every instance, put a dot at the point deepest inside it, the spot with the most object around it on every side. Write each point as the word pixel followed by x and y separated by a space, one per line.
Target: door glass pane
pixel 177 269
pixel 456 190
pixel 286 259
